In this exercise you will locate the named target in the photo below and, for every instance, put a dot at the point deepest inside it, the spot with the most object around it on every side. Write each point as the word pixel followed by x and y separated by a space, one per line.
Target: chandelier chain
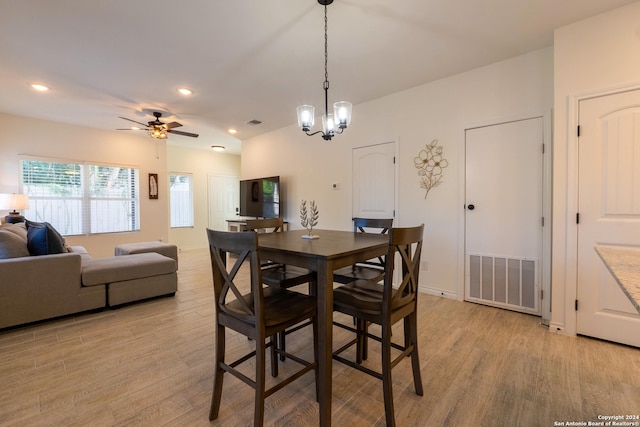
pixel 326 38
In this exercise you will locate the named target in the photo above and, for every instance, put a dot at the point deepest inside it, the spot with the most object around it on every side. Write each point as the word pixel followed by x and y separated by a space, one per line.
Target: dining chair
pixel 385 305
pixel 372 269
pixel 280 275
pixel 261 313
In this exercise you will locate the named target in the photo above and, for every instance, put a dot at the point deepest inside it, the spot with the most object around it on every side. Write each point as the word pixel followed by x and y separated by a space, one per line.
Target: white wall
pixel 200 164
pixel 592 56
pixel 26 136
pixel 519 87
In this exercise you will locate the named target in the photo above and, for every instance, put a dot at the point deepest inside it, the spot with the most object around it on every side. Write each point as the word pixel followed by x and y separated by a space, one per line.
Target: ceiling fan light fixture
pixel 158 133
pixel 159 130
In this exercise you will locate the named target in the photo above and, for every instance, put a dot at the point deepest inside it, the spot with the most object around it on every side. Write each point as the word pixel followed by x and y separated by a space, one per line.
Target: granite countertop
pixel 624 264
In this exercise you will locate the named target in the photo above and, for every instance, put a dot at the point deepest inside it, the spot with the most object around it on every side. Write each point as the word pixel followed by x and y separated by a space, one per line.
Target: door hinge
pixel 578 132
pixel 394 160
pixel 576 305
pixel 543 221
pixel 541 294
pixel 542 148
pixel 577 217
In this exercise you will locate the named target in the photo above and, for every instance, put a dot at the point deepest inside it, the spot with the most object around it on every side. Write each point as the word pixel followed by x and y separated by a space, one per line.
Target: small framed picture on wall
pixel 153 185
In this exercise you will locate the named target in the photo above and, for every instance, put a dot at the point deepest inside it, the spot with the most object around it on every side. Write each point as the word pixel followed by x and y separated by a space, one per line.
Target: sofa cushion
pixel 19 229
pixel 120 268
pixel 43 239
pixel 12 245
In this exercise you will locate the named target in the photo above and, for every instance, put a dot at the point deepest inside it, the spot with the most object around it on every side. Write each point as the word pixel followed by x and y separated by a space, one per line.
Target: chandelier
pixel 334 123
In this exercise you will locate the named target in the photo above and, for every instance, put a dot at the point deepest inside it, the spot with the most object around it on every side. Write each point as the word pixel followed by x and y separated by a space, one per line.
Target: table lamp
pixel 14 202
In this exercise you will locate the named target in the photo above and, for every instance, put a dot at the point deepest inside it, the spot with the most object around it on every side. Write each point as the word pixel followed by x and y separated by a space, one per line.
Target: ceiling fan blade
pixel 173 125
pixel 178 132
pixel 141 124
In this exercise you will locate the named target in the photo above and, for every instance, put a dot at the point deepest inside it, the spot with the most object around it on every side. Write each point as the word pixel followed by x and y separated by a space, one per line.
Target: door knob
pixel 471 207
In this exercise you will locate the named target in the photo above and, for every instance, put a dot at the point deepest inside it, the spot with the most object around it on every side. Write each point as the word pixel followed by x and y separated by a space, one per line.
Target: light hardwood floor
pixel 151 364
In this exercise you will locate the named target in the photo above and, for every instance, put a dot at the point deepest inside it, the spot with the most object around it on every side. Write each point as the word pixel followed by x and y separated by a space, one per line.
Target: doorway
pixel 609 212
pixel 504 215
pixel 224 197
pixel 374 181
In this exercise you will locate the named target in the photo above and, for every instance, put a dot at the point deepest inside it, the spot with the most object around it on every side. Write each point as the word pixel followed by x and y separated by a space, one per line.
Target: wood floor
pixel 151 364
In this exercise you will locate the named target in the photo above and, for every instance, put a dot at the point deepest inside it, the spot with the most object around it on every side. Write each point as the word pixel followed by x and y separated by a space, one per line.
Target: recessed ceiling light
pixel 41 88
pixel 218 148
pixel 232 131
pixel 185 91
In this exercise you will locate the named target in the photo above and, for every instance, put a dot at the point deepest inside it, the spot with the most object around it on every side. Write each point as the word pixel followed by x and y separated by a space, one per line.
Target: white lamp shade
pixel 342 113
pixel 306 117
pixel 14 202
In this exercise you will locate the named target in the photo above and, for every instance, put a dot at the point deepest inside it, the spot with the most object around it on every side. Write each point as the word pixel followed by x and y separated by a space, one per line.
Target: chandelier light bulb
pixel 342 112
pixel 306 117
pixel 328 125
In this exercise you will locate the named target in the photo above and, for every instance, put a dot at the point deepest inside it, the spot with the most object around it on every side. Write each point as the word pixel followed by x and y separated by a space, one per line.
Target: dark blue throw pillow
pixel 43 239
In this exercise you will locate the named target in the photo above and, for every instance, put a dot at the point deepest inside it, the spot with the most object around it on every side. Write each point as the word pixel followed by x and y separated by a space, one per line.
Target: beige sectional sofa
pixel 38 287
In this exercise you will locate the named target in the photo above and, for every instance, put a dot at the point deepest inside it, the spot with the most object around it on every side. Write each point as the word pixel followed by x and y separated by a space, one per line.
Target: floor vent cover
pixel 503 282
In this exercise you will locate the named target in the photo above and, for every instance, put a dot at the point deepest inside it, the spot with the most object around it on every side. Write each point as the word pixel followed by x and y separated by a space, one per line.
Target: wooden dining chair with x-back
pixel 384 305
pixel 261 313
pixel 372 269
pixel 281 275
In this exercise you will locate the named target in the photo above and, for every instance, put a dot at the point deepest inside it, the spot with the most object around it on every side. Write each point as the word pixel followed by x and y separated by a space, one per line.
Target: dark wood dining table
pixel 332 250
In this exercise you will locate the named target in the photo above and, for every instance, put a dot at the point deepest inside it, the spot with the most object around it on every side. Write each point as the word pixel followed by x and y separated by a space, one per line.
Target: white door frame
pixel 566 249
pixel 545 268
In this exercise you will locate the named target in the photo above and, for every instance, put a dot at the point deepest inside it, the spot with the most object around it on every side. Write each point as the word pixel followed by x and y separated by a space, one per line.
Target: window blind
pixel 82 198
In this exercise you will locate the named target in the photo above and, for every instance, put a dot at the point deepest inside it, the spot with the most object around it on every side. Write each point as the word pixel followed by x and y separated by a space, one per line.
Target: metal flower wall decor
pixel 430 164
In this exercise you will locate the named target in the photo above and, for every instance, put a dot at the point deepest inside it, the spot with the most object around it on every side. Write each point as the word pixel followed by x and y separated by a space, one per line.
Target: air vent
pixel 254 122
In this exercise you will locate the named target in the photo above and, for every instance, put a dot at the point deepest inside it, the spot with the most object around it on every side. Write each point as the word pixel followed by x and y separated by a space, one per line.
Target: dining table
pixel 329 251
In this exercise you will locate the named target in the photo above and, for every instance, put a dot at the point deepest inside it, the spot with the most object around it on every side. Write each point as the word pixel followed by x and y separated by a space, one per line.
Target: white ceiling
pixel 249 59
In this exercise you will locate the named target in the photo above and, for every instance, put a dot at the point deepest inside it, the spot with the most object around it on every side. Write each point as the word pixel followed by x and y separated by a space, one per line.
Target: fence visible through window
pixel 180 200
pixel 78 198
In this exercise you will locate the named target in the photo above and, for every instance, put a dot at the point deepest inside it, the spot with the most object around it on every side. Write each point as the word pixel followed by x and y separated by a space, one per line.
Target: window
pixel 80 198
pixel 181 200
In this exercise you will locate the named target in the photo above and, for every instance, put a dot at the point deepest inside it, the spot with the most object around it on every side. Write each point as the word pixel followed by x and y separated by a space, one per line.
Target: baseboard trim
pixel 556 328
pixel 439 292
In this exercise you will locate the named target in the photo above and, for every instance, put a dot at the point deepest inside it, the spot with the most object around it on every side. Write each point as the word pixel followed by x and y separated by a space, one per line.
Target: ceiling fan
pixel 158 129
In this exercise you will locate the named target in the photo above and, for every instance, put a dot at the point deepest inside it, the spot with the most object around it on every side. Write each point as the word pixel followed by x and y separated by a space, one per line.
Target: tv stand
pixel 240 224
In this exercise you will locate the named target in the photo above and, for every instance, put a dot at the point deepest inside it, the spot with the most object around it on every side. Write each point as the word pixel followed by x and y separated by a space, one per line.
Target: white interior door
pixel 374 181
pixel 503 215
pixel 609 209
pixel 224 199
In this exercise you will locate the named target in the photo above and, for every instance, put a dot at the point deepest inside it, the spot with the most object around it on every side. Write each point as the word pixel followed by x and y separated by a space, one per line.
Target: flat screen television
pixel 260 198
